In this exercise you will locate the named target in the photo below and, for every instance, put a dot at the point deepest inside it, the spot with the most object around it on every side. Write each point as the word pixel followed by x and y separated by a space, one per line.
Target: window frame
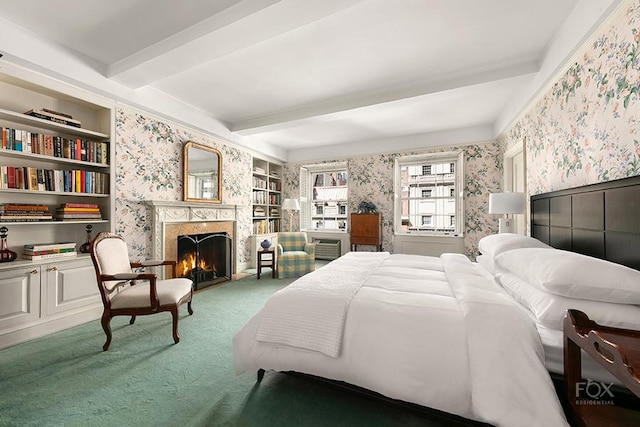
pixel 452 157
pixel 306 194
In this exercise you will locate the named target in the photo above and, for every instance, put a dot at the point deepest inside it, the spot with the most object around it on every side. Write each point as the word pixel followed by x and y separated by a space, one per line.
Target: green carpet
pixel 65 379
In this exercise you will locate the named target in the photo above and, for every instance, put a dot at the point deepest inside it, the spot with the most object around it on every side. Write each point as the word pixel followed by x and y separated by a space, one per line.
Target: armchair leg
pixel 133 319
pixel 189 308
pixel 260 375
pixel 174 314
pixel 106 325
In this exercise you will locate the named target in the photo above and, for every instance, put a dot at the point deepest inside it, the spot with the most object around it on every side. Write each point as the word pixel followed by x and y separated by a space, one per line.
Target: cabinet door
pixel 19 296
pixel 70 285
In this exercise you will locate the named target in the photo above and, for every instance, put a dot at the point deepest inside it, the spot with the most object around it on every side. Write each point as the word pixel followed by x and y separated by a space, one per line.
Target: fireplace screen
pixel 205 258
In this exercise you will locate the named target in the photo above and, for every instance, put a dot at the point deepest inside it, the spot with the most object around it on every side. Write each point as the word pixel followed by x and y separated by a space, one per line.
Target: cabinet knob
pixel 53 269
pixel 34 272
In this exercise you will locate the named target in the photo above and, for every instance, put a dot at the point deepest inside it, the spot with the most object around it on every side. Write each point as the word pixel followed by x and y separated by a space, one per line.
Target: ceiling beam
pixel 245 24
pixel 341 106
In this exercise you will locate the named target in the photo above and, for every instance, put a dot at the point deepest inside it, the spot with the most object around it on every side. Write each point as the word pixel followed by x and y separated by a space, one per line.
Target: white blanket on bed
pixel 433 331
pixel 310 312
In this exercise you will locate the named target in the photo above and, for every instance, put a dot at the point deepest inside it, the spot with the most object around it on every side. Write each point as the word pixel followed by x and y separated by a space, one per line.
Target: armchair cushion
pixel 169 292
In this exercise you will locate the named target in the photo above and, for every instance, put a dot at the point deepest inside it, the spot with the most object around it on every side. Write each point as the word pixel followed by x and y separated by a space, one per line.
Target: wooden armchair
pixel 125 293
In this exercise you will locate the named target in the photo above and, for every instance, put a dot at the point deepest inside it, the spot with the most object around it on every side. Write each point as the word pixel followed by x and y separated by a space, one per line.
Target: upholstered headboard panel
pixel 600 220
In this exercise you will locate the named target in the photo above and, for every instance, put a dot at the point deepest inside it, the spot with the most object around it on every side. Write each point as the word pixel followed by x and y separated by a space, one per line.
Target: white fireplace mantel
pixel 163 212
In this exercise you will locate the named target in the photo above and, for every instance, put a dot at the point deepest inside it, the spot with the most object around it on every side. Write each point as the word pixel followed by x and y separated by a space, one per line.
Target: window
pixel 428 196
pixel 323 197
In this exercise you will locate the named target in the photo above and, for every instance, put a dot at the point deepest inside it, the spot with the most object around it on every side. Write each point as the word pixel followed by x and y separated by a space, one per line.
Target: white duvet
pixel 437 332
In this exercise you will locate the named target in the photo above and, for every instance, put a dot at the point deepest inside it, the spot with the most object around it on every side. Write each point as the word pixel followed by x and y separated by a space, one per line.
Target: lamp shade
pixel 506 203
pixel 291 205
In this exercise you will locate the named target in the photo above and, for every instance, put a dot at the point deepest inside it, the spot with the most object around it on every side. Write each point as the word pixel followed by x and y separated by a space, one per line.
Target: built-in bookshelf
pixel 55 181
pixel 266 196
pixel 53 162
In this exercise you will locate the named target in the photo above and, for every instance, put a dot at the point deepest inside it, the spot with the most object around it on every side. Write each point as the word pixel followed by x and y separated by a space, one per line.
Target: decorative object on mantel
pixel 266 244
pixel 367 207
pixel 86 246
pixel 6 254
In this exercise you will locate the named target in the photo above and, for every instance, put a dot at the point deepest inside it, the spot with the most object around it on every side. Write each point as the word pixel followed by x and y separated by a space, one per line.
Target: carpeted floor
pixel 65 379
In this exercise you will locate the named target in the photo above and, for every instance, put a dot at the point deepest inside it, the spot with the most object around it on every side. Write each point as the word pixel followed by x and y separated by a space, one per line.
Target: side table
pixel 267 258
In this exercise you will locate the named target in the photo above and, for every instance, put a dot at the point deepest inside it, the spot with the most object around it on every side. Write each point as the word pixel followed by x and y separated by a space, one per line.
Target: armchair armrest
pixel 310 248
pixel 155 263
pixel 152 263
pixel 280 249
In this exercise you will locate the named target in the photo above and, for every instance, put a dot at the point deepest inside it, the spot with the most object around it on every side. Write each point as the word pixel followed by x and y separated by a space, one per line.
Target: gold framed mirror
pixel 202 173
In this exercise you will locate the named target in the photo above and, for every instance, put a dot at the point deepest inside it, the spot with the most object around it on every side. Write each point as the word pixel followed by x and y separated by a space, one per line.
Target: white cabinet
pixel 38 299
pixel 266 196
pixel 69 286
pixel 19 297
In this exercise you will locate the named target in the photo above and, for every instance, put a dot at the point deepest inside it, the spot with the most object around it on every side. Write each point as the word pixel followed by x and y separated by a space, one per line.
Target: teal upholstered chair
pixel 296 256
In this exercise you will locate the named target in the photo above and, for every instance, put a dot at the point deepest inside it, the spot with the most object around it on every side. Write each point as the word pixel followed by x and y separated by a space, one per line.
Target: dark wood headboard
pixel 601 220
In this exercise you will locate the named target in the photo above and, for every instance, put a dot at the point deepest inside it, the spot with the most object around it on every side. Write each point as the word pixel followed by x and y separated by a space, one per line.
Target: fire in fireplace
pixel 205 258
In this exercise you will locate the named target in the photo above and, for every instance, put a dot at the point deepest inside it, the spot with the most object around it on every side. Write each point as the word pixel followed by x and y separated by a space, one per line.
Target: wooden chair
pixel 125 293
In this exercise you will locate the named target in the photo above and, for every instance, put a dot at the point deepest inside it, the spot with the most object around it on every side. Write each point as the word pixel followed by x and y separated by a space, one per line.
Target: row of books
pixel 68 181
pixel 264 226
pixel 261 183
pixel 54 116
pixel 40 251
pixel 55 146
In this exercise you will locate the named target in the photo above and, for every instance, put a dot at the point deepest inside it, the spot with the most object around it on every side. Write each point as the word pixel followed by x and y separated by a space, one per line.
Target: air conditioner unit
pixel 327 248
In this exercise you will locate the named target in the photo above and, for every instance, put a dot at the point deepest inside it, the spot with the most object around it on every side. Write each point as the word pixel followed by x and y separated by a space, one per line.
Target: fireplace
pixel 173 219
pixel 205 258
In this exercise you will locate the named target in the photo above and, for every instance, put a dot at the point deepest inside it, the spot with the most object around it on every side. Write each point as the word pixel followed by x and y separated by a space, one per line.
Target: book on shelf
pixel 23 207
pixel 56 117
pixel 78 205
pixel 29 251
pixel 48 246
pixel 50 256
pixel 66 216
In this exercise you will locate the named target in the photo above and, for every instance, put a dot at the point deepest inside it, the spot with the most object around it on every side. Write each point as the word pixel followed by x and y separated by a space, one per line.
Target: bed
pixel 473 339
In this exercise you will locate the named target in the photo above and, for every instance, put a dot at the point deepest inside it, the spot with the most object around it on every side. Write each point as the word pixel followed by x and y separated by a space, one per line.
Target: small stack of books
pixel 78 211
pixel 54 116
pixel 24 212
pixel 40 251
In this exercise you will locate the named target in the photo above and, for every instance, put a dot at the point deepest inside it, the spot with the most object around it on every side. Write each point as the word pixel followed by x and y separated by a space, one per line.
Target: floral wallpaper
pixel 371 179
pixel 148 166
pixel 586 128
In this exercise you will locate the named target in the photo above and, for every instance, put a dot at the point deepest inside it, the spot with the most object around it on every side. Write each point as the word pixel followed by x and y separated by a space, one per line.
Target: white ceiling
pixel 307 74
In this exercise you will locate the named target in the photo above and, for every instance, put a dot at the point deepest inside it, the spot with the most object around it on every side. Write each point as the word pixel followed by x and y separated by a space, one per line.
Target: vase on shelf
pixel 266 244
pixel 86 246
pixel 6 254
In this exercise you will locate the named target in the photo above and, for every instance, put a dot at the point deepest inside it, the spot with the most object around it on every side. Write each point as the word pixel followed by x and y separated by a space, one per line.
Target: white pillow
pixel 573 275
pixel 549 309
pixel 495 244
